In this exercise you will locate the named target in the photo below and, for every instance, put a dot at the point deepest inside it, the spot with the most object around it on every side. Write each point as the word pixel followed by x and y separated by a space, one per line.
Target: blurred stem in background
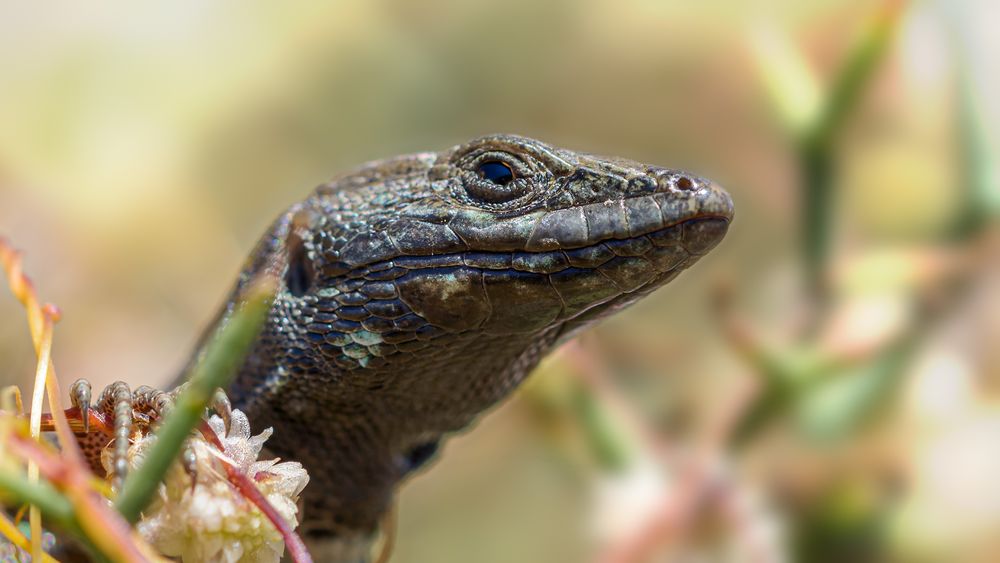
pixel 817 145
pixel 835 396
pixel 788 376
pixel 813 120
pixel 979 180
pixel 831 397
pixel 829 394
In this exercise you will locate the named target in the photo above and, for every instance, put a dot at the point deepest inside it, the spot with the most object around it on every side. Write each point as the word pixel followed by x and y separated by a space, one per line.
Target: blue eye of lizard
pixel 496 172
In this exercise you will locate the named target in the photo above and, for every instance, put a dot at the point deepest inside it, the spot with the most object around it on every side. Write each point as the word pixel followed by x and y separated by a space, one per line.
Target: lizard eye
pixel 495 181
pixel 496 172
pixel 496 177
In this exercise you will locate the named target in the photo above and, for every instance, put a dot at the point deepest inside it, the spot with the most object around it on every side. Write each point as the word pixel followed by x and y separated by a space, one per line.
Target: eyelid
pixel 519 167
pixel 490 192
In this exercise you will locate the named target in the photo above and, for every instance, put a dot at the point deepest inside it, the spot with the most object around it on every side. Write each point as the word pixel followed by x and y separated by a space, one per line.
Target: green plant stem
pixel 214 370
pixel 817 169
pixel 979 177
pixel 856 72
pixel 816 158
pixel 607 439
pixel 55 506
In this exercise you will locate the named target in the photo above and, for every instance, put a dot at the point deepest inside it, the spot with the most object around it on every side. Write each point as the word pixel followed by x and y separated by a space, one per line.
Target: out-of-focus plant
pixel 828 383
pixel 833 390
pixel 59 487
pixel 827 386
pixel 68 496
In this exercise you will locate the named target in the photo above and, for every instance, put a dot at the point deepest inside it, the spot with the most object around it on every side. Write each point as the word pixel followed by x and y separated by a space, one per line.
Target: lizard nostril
pixel 668 180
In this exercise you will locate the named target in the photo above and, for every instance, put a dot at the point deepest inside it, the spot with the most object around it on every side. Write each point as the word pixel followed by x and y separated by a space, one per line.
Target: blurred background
pixel 825 386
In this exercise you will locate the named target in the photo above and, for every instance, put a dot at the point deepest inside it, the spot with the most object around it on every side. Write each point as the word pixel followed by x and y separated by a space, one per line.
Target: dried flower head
pixel 210 520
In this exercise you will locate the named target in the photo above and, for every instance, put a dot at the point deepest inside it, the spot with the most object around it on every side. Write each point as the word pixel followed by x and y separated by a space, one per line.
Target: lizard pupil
pixel 496 172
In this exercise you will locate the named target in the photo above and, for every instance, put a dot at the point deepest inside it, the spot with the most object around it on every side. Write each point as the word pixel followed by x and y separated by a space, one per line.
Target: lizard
pixel 418 291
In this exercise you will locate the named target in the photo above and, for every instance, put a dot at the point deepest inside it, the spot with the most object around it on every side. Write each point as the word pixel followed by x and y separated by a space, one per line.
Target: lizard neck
pixel 420 291
pixel 360 441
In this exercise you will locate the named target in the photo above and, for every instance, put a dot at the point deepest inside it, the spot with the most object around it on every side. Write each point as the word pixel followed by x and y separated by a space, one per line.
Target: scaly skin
pixel 418 293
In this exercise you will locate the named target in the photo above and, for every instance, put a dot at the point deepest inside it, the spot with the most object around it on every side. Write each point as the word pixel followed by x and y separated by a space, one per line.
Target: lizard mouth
pixel 538 289
pixel 674 248
pixel 664 248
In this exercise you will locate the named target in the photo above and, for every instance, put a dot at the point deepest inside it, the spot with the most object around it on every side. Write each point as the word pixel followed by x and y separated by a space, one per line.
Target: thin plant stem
pixel 213 371
pixel 816 152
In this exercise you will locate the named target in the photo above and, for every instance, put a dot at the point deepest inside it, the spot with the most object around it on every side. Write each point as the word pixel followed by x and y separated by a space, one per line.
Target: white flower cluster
pixel 212 521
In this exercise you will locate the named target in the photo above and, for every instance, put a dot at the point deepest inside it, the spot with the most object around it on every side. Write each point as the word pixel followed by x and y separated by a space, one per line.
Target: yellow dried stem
pixel 24 291
pixel 20 515
pixel 10 531
pixel 37 394
pixel 10 400
pixel 389 529
pixel 100 524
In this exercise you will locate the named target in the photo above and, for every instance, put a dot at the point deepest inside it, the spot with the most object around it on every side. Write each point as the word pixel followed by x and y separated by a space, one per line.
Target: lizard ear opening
pixel 420 454
pixel 299 275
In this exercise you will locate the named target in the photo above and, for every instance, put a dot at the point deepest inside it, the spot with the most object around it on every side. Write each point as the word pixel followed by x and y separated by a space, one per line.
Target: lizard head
pixel 418 291
pixel 505 235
